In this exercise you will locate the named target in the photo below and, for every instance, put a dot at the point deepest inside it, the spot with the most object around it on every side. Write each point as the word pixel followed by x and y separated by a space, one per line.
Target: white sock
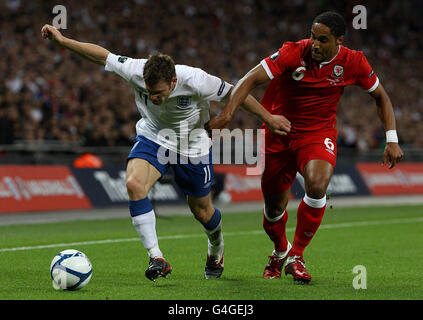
pixel 315 203
pixel 215 242
pixel 282 254
pixel 145 225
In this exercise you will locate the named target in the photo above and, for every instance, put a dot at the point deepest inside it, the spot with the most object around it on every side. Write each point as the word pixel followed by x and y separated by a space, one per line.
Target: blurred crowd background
pixel 48 93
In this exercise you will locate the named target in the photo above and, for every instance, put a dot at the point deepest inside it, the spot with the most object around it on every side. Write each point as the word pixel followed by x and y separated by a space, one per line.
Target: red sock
pixel 308 221
pixel 276 231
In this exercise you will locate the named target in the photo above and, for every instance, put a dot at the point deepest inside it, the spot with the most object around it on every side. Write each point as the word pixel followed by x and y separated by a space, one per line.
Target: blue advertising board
pixel 107 187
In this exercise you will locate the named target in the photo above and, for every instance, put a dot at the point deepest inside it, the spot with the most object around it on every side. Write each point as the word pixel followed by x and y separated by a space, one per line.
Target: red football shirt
pixel 306 92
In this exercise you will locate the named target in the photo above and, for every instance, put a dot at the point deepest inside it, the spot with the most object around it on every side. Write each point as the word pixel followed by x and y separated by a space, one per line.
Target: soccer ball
pixel 70 270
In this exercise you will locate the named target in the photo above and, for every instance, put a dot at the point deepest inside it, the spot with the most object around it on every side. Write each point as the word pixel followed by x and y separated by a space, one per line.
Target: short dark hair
pixel 334 21
pixel 159 67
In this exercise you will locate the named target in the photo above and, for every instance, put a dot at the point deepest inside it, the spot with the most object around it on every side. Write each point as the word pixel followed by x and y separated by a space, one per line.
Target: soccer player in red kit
pixel 307 79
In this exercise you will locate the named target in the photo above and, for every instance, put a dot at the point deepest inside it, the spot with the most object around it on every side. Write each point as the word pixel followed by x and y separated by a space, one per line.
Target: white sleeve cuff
pixel 373 88
pixel 110 60
pixel 266 68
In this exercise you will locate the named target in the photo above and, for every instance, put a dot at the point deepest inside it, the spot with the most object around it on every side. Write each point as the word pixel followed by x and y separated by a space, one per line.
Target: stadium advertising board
pixel 406 178
pixel 44 188
pixel 238 184
pixel 107 187
pixel 346 181
pixel 39 188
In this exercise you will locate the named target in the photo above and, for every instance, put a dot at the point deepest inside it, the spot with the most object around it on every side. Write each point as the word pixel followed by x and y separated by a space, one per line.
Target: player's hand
pixel 392 154
pixel 219 122
pixel 50 32
pixel 279 125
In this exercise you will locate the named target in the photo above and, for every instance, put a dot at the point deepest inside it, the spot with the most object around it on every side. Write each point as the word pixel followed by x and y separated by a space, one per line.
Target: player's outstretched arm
pixel 392 153
pixel 252 79
pixel 89 51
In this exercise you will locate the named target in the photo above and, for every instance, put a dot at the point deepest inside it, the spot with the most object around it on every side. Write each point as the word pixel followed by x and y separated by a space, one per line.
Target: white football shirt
pixel 178 123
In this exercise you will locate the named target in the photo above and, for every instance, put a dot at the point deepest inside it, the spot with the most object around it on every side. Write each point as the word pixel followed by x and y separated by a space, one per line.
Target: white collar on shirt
pixel 327 62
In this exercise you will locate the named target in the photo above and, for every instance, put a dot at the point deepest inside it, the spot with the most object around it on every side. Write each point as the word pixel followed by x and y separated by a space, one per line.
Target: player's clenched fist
pixel 392 155
pixel 50 32
pixel 278 124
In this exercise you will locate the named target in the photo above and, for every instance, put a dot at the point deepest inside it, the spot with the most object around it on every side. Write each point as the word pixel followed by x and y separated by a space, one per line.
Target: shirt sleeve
pixel 124 66
pixel 366 78
pixel 211 88
pixel 281 60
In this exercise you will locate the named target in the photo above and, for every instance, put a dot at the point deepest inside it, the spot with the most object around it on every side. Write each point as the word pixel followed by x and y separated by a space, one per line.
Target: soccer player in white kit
pixel 174 102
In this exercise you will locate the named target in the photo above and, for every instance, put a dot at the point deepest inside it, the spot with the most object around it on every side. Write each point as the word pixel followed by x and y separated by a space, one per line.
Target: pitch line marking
pixel 240 233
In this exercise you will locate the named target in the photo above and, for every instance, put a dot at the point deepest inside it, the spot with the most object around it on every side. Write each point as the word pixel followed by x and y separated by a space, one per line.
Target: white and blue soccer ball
pixel 70 270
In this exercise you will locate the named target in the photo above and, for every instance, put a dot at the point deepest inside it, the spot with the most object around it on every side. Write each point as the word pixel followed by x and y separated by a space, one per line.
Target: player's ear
pixel 339 40
pixel 174 80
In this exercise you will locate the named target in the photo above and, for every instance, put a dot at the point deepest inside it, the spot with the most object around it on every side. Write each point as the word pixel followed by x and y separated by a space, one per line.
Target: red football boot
pixel 274 266
pixel 295 265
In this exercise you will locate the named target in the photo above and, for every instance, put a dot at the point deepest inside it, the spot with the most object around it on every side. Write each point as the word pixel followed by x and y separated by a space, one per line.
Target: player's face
pixel 324 45
pixel 160 91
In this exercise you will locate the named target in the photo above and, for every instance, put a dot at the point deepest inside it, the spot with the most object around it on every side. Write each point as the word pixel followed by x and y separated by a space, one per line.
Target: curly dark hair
pixel 159 67
pixel 334 21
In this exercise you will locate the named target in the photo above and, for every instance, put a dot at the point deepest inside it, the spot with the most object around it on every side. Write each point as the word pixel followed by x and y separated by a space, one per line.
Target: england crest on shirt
pixel 183 102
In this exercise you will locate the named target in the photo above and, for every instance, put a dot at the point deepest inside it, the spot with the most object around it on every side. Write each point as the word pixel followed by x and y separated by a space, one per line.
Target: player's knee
pixel 136 189
pixel 316 189
pixel 275 206
pixel 273 211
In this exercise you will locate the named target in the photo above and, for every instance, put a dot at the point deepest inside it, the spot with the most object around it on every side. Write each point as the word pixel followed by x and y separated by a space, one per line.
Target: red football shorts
pixel 285 156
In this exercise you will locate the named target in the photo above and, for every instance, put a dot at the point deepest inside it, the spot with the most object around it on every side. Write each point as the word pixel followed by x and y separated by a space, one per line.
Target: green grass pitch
pixel 387 241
